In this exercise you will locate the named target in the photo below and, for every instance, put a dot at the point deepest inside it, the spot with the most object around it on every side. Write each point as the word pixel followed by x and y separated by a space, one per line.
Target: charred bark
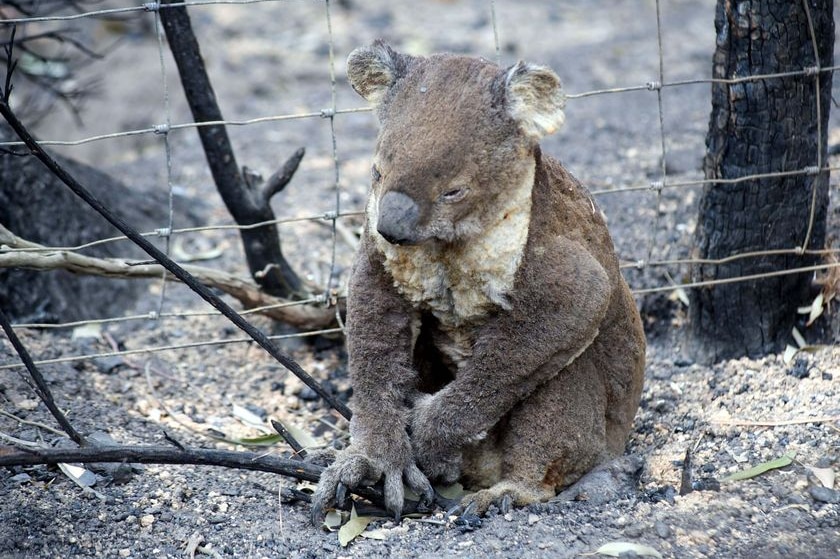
pixel 247 200
pixel 763 126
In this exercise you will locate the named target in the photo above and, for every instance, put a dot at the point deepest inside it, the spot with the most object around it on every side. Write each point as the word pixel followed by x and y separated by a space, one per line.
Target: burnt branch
pixel 278 181
pixel 137 454
pixel 289 438
pixel 246 204
pixel 174 268
pixel 41 387
pixel 32 256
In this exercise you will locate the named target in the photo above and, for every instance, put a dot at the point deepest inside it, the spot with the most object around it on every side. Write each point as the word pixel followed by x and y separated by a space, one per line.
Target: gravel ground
pixel 271 58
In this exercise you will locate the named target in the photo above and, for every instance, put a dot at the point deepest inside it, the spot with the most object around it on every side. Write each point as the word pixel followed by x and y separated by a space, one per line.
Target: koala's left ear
pixel 535 99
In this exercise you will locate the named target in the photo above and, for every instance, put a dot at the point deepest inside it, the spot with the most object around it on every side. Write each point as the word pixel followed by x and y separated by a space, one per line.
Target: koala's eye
pixel 453 195
pixel 375 174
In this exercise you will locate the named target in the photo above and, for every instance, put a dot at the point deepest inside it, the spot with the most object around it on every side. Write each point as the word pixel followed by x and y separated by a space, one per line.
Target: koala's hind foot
pixel 606 482
pixel 507 493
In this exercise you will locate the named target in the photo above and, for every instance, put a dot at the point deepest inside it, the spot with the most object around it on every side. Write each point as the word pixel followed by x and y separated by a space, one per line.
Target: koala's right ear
pixel 373 70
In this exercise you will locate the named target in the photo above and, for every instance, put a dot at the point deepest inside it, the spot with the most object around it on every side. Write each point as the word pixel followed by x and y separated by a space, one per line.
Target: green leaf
pixel 262 440
pixel 454 491
pixel 615 549
pixel 353 528
pixel 759 469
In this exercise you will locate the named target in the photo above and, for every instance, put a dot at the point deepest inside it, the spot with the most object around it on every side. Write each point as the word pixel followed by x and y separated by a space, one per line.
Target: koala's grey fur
pixel 491 336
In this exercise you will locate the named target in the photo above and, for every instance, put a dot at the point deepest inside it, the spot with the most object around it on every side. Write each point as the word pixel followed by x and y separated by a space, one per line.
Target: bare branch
pixel 278 181
pixel 41 385
pixel 308 317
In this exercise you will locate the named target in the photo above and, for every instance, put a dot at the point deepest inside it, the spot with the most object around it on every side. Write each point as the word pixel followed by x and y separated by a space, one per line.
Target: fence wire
pixel 165 128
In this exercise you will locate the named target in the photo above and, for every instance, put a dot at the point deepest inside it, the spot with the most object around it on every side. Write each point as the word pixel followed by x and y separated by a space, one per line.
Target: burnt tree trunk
pixel 762 126
pixel 246 198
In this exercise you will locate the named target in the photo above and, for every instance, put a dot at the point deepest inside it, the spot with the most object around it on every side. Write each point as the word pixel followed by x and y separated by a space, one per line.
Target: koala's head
pixel 457 138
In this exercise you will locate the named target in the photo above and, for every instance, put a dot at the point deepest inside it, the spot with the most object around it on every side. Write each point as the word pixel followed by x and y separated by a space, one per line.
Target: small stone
pixel 662 530
pixel 824 494
pixel 147 520
pixel 827 376
pixel 307 394
pixel 125 552
pixel 634 530
pixel 22 477
pixel 533 519
pixel 683 362
pixel 508 516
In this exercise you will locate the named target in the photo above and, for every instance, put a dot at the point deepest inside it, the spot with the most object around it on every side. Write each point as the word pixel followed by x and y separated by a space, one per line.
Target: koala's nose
pixel 398 215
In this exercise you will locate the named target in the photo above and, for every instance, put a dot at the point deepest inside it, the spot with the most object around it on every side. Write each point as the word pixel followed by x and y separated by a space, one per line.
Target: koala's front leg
pixel 380 340
pixel 555 313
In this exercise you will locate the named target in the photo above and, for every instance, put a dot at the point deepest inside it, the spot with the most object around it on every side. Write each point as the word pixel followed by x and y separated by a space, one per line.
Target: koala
pixel 490 334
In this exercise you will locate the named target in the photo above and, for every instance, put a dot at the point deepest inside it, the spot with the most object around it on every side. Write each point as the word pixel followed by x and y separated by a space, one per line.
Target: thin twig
pixel 800 421
pixel 289 438
pixel 42 389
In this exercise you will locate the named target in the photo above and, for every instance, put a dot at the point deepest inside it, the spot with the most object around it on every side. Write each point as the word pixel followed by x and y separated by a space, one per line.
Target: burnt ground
pixel 271 58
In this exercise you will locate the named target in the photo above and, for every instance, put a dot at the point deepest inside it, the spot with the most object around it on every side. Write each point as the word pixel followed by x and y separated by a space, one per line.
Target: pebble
pixel 22 477
pixel 634 530
pixel 147 520
pixel 125 552
pixel 662 530
pixel 824 494
pixel 533 519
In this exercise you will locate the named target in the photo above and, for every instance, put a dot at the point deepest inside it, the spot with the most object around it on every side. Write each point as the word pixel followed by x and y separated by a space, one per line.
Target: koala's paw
pixel 352 468
pixel 440 462
pixel 506 494
pixel 321 456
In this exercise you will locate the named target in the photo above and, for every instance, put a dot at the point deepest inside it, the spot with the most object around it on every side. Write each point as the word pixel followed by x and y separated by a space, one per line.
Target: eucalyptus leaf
pixel 353 528
pixel 615 549
pixel 762 468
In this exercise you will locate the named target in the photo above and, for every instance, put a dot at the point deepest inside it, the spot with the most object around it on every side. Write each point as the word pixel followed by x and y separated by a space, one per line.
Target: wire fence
pixel 329 114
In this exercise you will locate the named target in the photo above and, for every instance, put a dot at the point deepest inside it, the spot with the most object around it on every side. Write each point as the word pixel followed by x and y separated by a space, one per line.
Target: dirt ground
pixel 271 58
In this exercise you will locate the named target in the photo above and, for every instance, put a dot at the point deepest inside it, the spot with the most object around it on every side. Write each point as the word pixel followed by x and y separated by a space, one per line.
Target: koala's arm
pixel 380 343
pixel 555 314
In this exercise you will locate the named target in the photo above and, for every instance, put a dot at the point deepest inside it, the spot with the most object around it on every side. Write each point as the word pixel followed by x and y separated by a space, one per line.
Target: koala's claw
pixel 506 503
pixel 466 518
pixel 340 493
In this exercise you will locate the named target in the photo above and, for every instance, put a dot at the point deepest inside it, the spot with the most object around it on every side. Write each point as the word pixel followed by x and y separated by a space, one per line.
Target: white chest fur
pixel 461 283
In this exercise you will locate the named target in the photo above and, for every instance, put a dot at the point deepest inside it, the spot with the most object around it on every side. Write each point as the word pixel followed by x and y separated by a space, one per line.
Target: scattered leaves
pixel 353 528
pixel 759 469
pixel 615 549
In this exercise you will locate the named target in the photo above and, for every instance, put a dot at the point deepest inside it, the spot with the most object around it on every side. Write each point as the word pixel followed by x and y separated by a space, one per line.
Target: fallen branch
pixel 10 456
pixel 261 462
pixel 303 316
pixel 800 421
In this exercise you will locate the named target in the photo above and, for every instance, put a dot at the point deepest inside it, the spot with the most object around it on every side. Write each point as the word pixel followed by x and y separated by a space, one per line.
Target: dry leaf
pixel 825 476
pixel 87 331
pixel 615 549
pixel 376 534
pixel 800 340
pixel 790 353
pixel 353 528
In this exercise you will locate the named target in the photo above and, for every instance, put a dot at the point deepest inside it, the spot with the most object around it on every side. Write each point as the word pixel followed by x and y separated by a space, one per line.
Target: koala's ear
pixel 373 70
pixel 535 99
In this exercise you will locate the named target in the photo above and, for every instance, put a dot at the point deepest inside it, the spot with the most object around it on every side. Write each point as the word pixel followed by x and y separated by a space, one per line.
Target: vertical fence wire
pixel 167 147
